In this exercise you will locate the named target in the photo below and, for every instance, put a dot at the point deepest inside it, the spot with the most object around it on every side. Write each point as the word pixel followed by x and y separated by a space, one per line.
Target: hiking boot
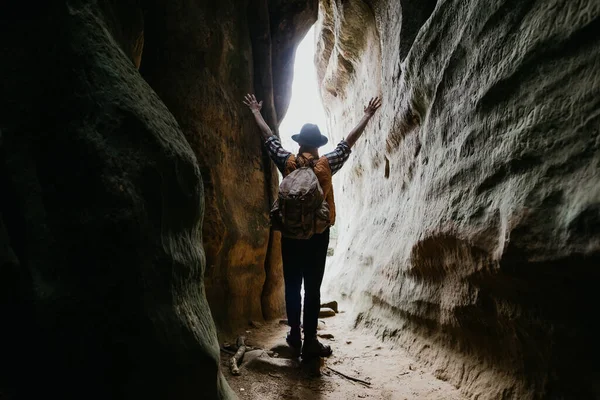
pixel 313 349
pixel 294 340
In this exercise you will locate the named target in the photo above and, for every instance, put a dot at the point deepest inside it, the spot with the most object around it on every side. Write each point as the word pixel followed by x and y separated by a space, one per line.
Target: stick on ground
pixel 231 353
pixel 350 377
pixel 235 360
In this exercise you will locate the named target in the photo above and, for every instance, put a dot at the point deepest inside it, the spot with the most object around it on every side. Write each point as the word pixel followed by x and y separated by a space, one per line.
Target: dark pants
pixel 304 259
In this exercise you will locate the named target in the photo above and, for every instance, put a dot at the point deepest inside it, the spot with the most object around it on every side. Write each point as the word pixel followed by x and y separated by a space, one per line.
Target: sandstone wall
pixel 101 260
pixel 469 213
pixel 202 58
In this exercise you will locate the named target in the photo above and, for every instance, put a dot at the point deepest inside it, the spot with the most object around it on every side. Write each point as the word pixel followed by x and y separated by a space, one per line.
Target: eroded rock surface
pixel 469 214
pixel 101 257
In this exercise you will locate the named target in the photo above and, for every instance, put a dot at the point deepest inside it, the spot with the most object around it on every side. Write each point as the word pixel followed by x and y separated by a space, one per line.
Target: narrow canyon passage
pixel 270 373
pixel 135 197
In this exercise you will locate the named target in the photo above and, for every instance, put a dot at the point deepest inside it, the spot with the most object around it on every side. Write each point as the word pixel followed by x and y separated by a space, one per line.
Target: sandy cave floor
pixel 393 374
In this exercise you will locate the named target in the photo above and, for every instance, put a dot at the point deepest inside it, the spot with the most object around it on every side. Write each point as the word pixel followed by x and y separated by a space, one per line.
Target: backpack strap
pixel 306 162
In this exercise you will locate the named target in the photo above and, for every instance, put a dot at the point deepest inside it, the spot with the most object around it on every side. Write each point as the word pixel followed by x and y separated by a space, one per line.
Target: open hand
pixel 374 104
pixel 250 101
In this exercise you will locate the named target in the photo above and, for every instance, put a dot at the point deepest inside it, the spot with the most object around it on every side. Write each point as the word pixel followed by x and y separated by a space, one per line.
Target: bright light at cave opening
pixel 305 105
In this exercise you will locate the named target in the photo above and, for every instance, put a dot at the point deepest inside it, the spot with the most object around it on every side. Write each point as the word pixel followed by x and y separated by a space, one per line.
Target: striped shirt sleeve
pixel 338 156
pixel 278 154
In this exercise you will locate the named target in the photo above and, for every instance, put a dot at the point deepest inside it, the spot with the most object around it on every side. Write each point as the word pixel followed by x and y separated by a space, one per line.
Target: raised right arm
pixel 370 110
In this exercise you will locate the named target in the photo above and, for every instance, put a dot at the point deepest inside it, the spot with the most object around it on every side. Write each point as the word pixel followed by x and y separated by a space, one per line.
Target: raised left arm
pixel 255 107
pixel 278 154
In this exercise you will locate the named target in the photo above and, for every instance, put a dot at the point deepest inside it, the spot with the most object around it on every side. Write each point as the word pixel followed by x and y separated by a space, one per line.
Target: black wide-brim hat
pixel 310 135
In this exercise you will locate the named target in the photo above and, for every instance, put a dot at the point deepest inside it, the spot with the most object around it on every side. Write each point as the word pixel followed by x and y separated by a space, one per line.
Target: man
pixel 305 259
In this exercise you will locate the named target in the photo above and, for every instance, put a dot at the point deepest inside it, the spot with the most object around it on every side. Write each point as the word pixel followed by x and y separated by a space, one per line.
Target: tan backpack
pixel 300 209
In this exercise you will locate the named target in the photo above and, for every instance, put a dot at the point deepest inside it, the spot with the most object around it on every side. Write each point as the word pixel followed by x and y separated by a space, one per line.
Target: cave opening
pixel 306 105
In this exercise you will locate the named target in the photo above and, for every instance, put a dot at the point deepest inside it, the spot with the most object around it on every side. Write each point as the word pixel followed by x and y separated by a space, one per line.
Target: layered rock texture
pixel 469 214
pixel 101 257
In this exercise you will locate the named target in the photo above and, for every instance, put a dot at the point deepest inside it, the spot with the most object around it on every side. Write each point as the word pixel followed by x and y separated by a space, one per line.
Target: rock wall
pixel 202 58
pixel 101 260
pixel 469 213
pixel 106 230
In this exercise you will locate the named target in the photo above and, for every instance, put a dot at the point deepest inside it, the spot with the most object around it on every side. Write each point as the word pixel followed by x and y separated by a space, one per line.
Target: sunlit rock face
pixel 202 58
pixel 101 203
pixel 469 213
